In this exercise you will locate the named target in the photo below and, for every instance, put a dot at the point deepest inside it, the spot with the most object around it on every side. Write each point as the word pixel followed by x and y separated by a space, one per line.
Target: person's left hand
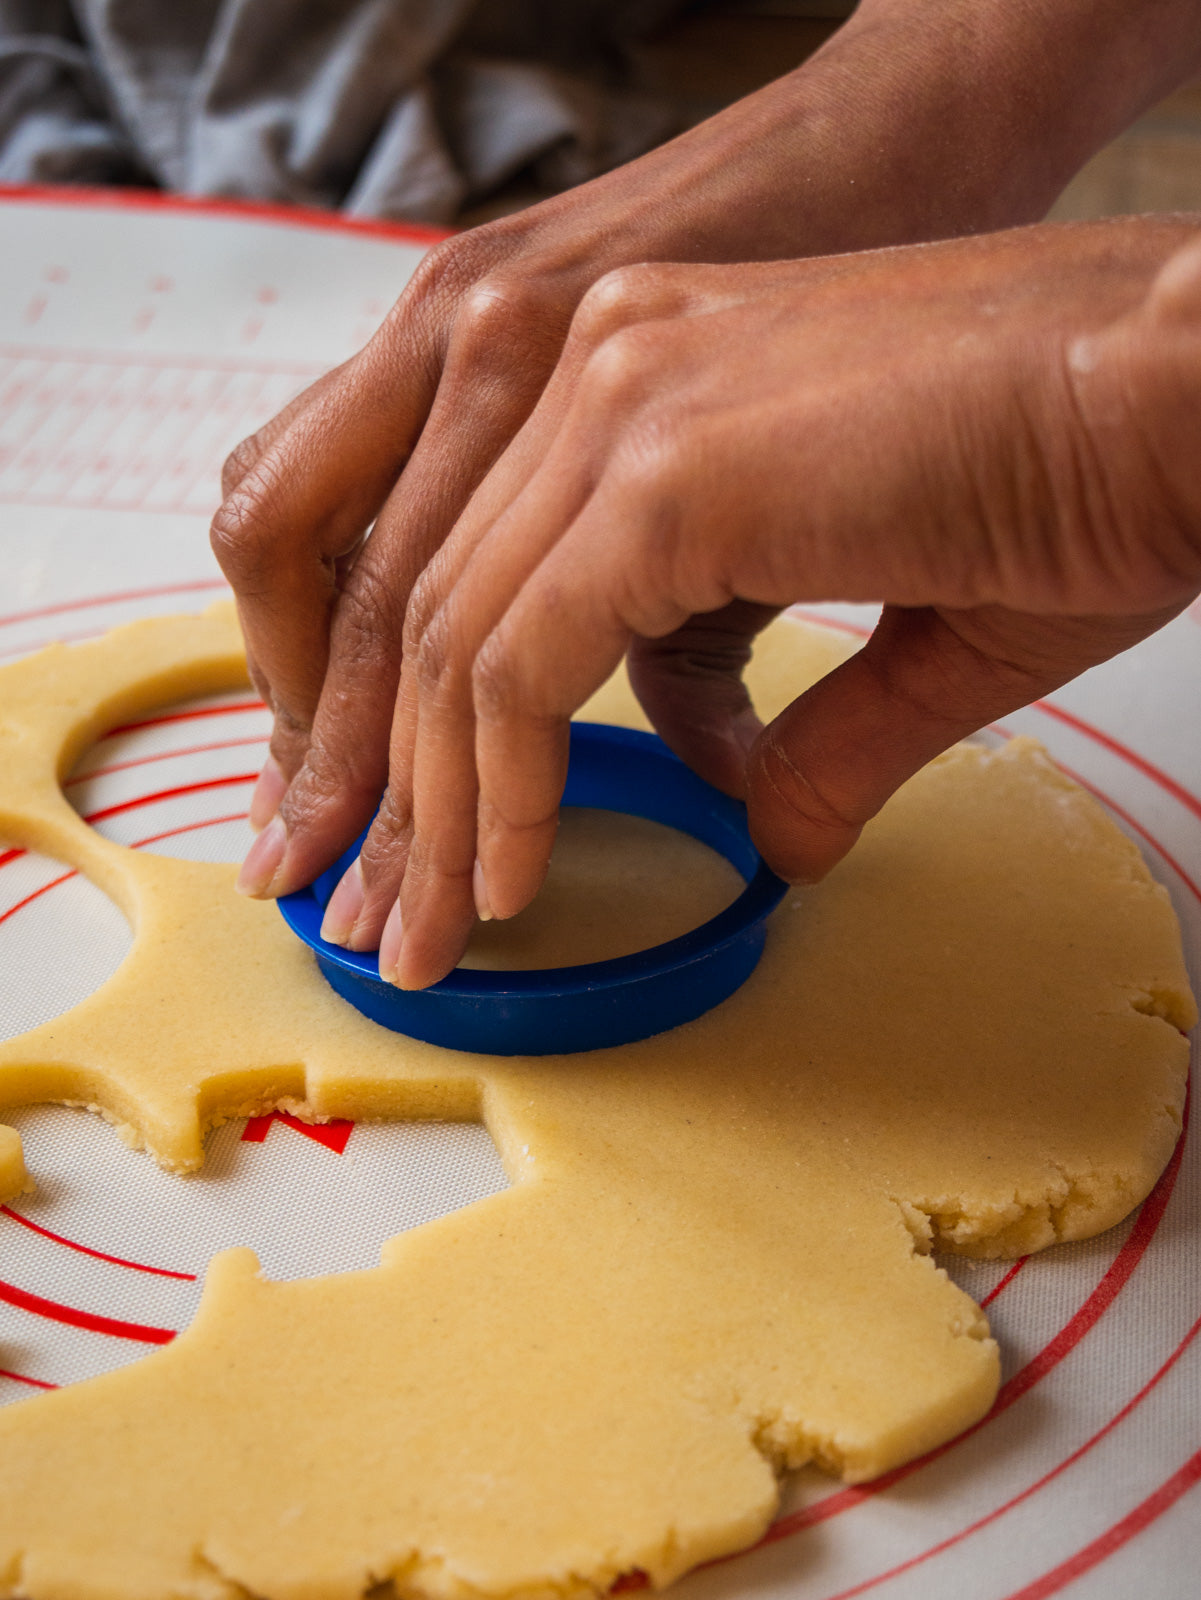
pixel 970 432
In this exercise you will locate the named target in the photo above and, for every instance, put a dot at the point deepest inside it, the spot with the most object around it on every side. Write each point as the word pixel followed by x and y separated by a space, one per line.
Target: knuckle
pixel 450 267
pixel 240 461
pixel 494 685
pixel 245 535
pixel 392 828
pixel 368 620
pixel 621 371
pixel 291 732
pixel 424 602
pixel 621 296
pixel 327 775
pixel 801 790
pixel 239 539
pixel 434 659
pixel 500 310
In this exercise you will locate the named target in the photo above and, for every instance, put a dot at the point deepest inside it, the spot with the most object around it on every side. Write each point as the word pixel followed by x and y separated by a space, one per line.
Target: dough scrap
pixel 710 1265
pixel 14 1179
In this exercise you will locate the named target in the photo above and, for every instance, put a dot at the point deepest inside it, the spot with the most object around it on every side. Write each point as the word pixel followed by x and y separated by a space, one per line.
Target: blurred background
pixel 446 111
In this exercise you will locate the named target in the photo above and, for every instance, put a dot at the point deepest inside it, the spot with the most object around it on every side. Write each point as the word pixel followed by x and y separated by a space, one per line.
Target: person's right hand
pixel 992 436
pixel 912 123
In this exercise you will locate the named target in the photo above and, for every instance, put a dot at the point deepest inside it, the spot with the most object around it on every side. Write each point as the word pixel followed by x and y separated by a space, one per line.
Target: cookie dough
pixel 616 884
pixel 710 1265
pixel 14 1180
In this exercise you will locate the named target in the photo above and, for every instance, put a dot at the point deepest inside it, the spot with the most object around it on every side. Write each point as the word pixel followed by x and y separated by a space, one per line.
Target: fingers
pixel 690 686
pixel 432 763
pixel 244 457
pixel 431 793
pixel 291 524
pixel 924 680
pixel 484 396
pixel 559 639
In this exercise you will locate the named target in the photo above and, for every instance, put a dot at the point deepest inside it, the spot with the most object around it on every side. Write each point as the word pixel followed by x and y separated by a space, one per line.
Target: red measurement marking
pixel 1120 811
pixel 171 794
pixel 98 1255
pixel 1068 1569
pixel 1143 1515
pixel 156 592
pixel 188 827
pixel 1005 1281
pixel 72 1317
pixel 163 755
pixel 33 311
pixel 1068 1337
pixel 333 1135
pixel 37 893
pixel 19 1377
pixel 118 410
pixel 153 362
pixel 1108 742
pixel 1048 1358
pixel 238 210
pixel 138 844
pixel 28 649
pixel 187 716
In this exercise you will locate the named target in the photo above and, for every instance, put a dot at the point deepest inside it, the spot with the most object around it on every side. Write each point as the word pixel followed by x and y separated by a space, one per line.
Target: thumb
pixel 924 680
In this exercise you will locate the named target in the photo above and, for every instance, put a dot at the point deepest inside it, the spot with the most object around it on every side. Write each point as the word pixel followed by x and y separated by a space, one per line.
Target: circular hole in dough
pixel 176 781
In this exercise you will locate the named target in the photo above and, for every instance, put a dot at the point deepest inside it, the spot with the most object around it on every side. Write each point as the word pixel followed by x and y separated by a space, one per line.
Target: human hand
pixel 989 435
pixel 912 123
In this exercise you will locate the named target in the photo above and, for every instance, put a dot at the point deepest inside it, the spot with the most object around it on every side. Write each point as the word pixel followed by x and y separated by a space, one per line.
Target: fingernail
pixel 268 792
pixel 263 859
pixel 389 945
pixel 345 905
pixel 480 890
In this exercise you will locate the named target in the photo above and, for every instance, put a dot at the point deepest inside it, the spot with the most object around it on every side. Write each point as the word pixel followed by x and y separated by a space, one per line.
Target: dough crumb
pixel 14 1179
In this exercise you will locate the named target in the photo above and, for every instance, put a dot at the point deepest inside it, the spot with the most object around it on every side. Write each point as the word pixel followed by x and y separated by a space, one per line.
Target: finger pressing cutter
pixel 558 1010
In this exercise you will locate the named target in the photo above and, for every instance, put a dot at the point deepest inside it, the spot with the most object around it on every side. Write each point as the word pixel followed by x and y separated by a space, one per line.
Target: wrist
pixel 912 123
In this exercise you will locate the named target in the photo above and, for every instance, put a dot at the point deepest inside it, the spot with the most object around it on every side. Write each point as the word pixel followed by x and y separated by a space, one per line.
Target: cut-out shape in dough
pixel 709 1265
pixel 178 782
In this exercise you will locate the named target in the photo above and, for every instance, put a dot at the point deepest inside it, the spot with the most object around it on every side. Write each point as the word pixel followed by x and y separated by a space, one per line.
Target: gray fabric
pixel 395 108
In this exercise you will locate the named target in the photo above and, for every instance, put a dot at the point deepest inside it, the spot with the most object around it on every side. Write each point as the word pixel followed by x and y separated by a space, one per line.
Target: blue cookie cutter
pixel 559 1010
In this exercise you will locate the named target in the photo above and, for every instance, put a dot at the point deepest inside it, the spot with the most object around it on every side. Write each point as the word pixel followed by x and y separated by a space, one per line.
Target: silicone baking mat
pixel 139 340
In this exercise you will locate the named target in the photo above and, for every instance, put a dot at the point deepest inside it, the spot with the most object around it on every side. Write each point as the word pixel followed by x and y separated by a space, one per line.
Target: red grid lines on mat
pixel 100 431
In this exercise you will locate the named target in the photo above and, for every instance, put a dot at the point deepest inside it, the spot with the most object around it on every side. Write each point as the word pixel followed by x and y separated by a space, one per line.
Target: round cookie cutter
pixel 561 1010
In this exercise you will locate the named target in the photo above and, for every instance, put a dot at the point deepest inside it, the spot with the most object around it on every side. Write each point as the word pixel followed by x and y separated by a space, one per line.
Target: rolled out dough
pixel 709 1266
pixel 616 884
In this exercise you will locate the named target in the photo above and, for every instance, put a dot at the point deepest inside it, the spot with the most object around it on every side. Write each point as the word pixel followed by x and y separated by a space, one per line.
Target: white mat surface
pixel 138 342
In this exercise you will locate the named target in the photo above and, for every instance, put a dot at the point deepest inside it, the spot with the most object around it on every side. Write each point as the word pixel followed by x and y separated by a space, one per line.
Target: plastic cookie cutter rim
pixel 563 1010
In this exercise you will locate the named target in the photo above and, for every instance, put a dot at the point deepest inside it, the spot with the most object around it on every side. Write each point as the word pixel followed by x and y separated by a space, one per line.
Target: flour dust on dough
pixel 710 1265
